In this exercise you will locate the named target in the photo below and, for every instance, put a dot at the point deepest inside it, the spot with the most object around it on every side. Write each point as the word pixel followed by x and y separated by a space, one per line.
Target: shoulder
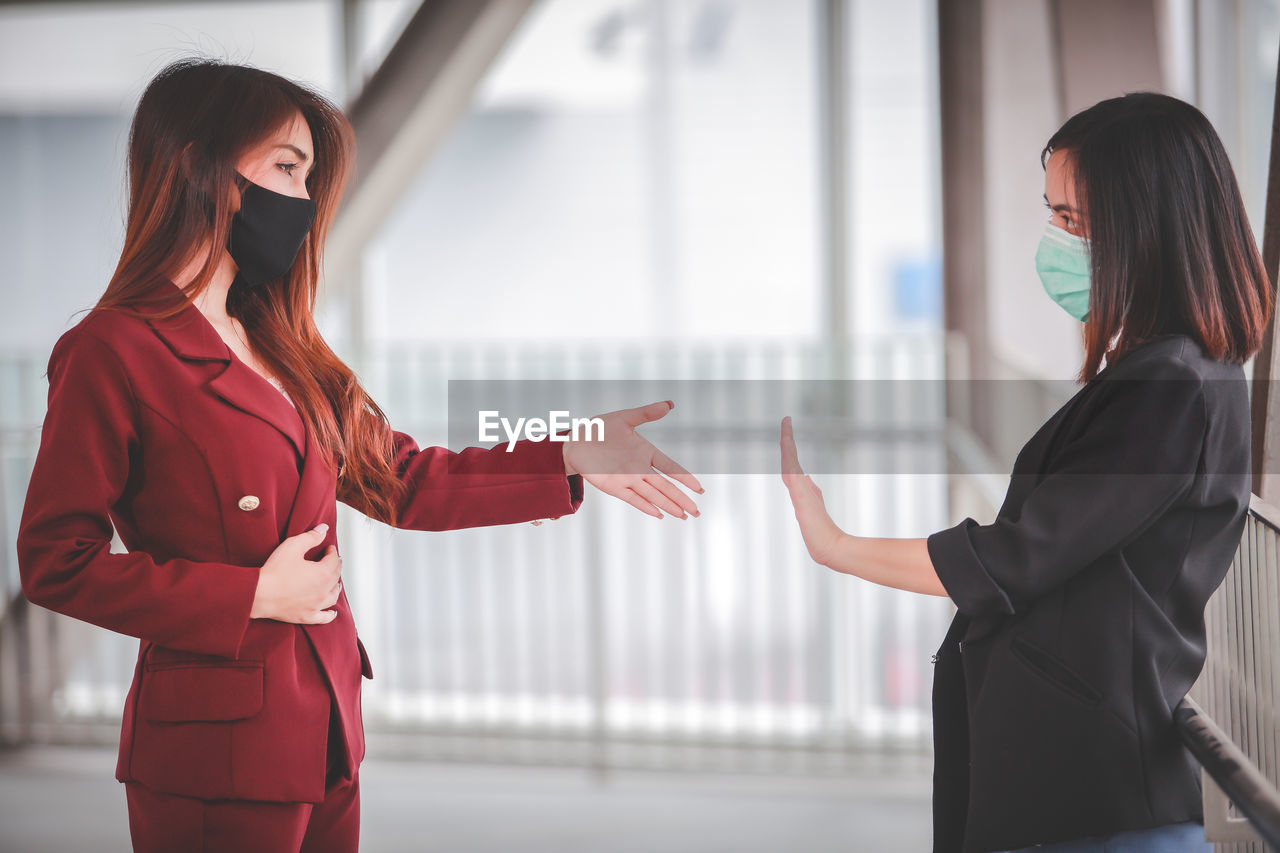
pixel 1177 366
pixel 98 349
pixel 1177 356
pixel 1156 389
pixel 110 333
pixel 1163 370
pixel 113 328
pixel 1174 372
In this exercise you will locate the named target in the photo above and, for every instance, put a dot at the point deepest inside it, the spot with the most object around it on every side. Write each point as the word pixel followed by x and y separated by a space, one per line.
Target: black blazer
pixel 1081 608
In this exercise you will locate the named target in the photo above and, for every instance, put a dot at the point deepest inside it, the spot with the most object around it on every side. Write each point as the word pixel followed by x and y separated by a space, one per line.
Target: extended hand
pixel 626 465
pixel 820 533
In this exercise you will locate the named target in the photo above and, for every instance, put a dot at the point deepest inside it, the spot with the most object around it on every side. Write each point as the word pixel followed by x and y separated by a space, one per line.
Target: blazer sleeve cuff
pixel 545 460
pixel 215 619
pixel 243 589
pixel 967 582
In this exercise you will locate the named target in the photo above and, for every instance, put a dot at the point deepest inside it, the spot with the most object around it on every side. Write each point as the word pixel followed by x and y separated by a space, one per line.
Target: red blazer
pixel 154 425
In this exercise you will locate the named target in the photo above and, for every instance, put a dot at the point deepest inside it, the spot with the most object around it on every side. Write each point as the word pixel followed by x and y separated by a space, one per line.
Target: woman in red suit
pixel 197 409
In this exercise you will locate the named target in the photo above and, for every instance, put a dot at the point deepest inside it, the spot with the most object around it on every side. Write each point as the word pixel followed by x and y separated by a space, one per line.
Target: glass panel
pixel 895 216
pixel 630 170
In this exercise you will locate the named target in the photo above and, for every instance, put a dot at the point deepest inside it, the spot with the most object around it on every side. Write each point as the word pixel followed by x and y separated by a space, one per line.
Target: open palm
pixel 820 533
pixel 626 465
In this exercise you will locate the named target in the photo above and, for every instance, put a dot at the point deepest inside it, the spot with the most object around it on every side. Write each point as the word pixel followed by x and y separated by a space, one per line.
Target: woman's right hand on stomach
pixel 292 588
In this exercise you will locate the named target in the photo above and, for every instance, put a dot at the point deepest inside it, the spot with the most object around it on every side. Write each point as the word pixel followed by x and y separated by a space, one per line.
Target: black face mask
pixel 266 233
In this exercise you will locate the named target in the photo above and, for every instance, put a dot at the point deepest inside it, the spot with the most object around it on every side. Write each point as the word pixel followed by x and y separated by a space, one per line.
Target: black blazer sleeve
pixel 1132 456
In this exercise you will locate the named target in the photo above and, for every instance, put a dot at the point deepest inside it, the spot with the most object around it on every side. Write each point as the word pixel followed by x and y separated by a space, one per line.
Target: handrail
pixel 1264 511
pixel 1233 772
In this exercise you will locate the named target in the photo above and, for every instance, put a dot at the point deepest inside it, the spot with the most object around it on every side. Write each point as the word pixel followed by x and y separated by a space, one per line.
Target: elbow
pixel 933 586
pixel 39 580
pixel 28 575
pixel 35 587
pixel 964 578
pixel 975 593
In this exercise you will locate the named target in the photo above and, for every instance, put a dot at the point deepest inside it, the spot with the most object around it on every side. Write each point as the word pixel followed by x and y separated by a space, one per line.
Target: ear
pixel 189 164
pixel 239 184
pixel 188 169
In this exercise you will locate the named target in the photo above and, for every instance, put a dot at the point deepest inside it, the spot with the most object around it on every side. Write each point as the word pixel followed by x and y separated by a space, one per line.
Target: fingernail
pixel 322 527
pixel 671 404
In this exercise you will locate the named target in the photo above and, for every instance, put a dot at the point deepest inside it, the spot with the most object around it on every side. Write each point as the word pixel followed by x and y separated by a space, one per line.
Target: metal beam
pixel 406 109
pixel 1265 405
pixel 964 261
pixel 349 48
pixel 834 70
pixel 1105 48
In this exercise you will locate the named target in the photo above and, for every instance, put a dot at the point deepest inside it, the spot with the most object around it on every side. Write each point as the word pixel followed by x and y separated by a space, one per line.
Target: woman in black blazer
pixel 1080 622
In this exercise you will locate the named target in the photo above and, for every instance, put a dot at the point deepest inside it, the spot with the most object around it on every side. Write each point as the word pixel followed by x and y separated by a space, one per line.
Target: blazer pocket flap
pixel 1055 671
pixel 366 668
pixel 201 692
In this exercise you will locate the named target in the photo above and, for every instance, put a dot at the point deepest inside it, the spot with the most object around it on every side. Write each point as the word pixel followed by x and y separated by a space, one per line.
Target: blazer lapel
pixel 192 337
pixel 314 487
pixel 243 388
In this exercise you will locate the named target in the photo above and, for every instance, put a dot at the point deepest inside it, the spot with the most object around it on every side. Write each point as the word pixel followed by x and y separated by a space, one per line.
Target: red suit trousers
pixel 167 823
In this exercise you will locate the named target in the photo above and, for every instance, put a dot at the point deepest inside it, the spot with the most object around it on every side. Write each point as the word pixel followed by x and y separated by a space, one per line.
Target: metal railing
pixel 1232 720
pixel 1228 771
pixel 602 639
pixel 607 639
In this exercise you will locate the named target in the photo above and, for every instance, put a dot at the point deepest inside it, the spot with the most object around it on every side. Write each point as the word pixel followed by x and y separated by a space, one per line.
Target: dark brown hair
pixel 194 122
pixel 1169 241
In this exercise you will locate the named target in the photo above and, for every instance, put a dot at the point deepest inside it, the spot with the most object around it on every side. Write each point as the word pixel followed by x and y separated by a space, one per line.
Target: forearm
pixel 198 607
pixel 898 563
pixel 479 487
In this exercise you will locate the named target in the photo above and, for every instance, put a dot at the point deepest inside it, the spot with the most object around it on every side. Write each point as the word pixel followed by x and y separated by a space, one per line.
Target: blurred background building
pixel 633 189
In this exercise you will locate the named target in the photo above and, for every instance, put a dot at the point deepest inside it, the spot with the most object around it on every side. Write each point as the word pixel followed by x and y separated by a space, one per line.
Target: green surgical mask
pixel 1062 260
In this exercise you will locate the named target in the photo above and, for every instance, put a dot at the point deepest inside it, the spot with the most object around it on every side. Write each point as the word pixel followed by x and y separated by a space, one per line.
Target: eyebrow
pixel 1061 207
pixel 298 151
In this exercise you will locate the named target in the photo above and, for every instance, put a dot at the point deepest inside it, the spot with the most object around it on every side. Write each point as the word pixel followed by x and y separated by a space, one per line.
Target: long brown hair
pixel 194 122
pixel 1169 241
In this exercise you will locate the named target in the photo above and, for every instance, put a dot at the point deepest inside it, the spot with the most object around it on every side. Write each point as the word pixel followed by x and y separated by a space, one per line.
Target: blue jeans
pixel 1173 838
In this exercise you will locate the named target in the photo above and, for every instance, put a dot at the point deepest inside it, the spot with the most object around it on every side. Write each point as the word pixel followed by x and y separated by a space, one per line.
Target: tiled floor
pixel 60 800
